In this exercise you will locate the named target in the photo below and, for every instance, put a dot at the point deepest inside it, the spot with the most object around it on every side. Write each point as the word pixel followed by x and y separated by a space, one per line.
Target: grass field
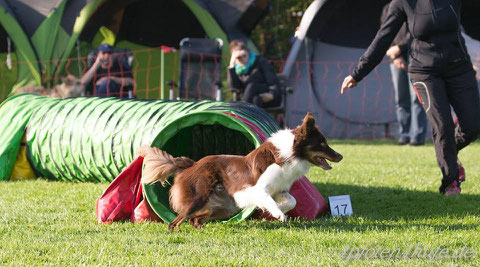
pixel 394 193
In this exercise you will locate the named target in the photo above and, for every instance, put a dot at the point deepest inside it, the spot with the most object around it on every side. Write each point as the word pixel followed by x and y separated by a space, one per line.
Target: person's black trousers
pixel 455 87
pixel 252 95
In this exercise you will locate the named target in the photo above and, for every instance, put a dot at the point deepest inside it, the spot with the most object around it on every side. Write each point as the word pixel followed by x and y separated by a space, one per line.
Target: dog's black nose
pixel 340 157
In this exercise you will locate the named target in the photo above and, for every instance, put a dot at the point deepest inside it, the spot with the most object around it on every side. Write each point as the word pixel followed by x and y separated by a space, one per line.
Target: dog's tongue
pixel 323 163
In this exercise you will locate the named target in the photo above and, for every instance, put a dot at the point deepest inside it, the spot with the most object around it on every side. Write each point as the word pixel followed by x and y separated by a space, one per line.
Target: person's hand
pixel 349 82
pixel 400 63
pixel 394 52
pixel 266 97
pixel 234 56
pixel 98 61
pixel 477 70
pixel 101 58
pixel 101 80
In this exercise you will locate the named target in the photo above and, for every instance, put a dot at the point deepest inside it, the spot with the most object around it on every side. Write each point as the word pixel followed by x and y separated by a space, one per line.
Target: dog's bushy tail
pixel 159 165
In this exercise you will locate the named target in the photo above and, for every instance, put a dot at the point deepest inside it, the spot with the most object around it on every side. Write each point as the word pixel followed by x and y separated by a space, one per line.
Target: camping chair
pixel 200 69
pixel 122 59
pixel 278 112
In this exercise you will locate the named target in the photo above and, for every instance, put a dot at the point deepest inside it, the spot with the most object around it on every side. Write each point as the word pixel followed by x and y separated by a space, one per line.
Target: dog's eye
pixel 323 144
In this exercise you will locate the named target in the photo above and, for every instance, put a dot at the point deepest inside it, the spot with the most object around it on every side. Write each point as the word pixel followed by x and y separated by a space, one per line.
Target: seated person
pixel 108 76
pixel 253 76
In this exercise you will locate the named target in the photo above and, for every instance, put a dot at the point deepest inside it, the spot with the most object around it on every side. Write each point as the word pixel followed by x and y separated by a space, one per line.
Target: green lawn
pixel 394 192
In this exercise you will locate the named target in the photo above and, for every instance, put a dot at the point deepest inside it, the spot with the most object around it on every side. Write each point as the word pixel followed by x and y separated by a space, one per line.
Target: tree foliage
pixel 275 33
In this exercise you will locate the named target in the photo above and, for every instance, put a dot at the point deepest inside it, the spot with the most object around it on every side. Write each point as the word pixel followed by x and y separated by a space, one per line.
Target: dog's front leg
pixel 259 194
pixel 258 197
pixel 285 201
pixel 267 202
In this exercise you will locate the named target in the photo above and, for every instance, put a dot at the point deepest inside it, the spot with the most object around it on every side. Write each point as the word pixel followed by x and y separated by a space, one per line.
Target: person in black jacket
pixel 411 117
pixel 253 76
pixel 441 72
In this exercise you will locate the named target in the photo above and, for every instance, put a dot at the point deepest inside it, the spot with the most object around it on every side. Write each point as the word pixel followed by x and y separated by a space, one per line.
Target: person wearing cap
pixel 106 76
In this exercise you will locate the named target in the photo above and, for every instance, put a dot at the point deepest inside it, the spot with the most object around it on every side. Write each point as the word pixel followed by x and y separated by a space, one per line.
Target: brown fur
pixel 204 190
pixel 159 165
pixel 70 87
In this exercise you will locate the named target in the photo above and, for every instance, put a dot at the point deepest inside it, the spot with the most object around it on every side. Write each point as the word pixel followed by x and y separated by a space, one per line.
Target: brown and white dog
pixel 70 87
pixel 219 186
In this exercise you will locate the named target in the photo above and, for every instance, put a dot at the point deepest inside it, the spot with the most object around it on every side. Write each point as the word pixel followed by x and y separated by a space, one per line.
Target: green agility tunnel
pixel 95 139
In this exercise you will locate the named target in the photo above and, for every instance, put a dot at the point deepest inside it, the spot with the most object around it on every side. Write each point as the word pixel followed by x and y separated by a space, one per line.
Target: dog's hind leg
pixel 199 218
pixel 188 211
pixel 196 222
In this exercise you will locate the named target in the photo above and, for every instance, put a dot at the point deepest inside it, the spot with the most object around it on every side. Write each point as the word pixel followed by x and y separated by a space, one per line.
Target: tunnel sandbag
pixel 22 168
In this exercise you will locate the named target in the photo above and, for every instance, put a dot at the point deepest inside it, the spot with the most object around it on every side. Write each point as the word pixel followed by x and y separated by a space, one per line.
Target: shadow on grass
pixel 384 208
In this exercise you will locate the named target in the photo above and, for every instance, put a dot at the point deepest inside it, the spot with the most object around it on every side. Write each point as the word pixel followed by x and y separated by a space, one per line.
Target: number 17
pixel 344 209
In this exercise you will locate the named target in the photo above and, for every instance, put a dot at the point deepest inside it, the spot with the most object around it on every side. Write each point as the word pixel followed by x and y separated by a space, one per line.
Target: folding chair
pixel 200 69
pixel 278 112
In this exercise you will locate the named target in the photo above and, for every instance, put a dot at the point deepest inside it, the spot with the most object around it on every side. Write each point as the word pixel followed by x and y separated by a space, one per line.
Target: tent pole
pixel 162 74
pixel 9 54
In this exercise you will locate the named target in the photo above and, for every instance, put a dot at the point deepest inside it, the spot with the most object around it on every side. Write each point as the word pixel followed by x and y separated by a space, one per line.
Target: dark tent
pixel 332 36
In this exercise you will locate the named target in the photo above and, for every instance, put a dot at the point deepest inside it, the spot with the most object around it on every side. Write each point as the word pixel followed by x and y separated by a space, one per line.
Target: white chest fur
pixel 278 178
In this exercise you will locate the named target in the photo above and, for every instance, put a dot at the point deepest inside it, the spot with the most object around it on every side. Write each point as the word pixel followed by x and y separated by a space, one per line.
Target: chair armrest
pixel 171 83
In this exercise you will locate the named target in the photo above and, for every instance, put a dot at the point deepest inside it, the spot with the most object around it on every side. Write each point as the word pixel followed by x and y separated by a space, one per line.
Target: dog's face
pixel 310 144
pixel 71 86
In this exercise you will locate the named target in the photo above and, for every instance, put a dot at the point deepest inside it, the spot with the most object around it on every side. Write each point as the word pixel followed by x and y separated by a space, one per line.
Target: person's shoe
pixel 402 142
pixel 415 143
pixel 461 172
pixel 453 189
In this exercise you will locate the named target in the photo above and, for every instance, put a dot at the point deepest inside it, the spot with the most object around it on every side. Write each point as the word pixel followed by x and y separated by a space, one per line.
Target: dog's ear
pixel 303 131
pixel 308 122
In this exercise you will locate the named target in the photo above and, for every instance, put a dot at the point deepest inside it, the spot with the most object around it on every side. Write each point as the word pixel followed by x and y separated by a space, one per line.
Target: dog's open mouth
pixel 322 162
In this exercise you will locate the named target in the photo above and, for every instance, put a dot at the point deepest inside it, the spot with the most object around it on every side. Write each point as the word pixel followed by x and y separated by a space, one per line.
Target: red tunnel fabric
pixel 120 199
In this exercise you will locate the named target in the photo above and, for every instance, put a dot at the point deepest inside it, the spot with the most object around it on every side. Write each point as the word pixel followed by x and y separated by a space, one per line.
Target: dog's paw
pixel 280 216
pixel 172 226
pixel 195 222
